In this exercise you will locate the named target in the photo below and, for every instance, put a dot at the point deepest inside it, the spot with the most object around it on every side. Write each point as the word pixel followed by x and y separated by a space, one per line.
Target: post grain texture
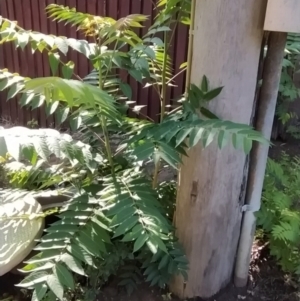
pixel 227 43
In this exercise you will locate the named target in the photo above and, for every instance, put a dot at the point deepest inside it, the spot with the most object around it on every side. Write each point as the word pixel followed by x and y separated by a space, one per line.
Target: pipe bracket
pixel 250 208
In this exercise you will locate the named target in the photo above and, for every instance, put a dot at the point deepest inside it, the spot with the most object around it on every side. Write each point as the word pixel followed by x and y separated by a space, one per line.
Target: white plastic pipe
pixel 264 121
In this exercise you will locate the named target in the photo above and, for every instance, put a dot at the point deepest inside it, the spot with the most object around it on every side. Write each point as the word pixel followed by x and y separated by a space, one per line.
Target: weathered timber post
pixel 227 44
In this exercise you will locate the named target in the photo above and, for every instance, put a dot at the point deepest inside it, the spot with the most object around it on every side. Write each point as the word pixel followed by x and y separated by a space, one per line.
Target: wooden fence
pixel 30 14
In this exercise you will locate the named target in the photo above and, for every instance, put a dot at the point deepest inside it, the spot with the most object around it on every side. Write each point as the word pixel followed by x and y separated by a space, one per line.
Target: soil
pixel 266 281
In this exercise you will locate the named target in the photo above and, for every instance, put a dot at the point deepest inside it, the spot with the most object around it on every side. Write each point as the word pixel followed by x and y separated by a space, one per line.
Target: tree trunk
pixel 227 44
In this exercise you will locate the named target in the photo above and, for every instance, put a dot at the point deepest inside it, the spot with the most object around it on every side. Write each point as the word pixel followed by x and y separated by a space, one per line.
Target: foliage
pixel 172 8
pixel 118 219
pixel 294 131
pixel 279 216
pixel 288 92
pixel 44 158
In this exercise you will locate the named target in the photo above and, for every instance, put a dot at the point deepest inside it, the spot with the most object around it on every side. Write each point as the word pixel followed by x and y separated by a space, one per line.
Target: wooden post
pixel 227 44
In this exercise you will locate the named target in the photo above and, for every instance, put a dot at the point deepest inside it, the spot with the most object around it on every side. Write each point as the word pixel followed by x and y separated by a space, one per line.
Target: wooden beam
pixel 283 16
pixel 227 44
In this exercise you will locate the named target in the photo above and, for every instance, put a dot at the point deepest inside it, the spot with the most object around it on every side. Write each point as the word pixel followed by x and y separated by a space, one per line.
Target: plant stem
pixel 111 60
pixel 104 127
pixel 107 145
pixel 190 48
pixel 164 79
pixel 155 175
pixel 177 74
pixel 163 97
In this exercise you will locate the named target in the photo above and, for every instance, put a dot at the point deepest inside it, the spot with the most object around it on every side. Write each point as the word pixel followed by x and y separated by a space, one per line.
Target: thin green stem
pixel 174 29
pixel 175 110
pixel 155 175
pixel 177 74
pixel 97 136
pixel 107 145
pixel 111 60
pixel 163 96
pixel 190 49
pixel 165 82
pixel 164 78
pixel 104 127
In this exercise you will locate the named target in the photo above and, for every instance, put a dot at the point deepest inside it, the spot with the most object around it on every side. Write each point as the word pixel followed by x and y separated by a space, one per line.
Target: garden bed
pixel 267 281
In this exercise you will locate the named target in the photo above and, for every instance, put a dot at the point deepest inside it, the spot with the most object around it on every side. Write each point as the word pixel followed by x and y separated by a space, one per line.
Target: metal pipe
pixel 259 154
